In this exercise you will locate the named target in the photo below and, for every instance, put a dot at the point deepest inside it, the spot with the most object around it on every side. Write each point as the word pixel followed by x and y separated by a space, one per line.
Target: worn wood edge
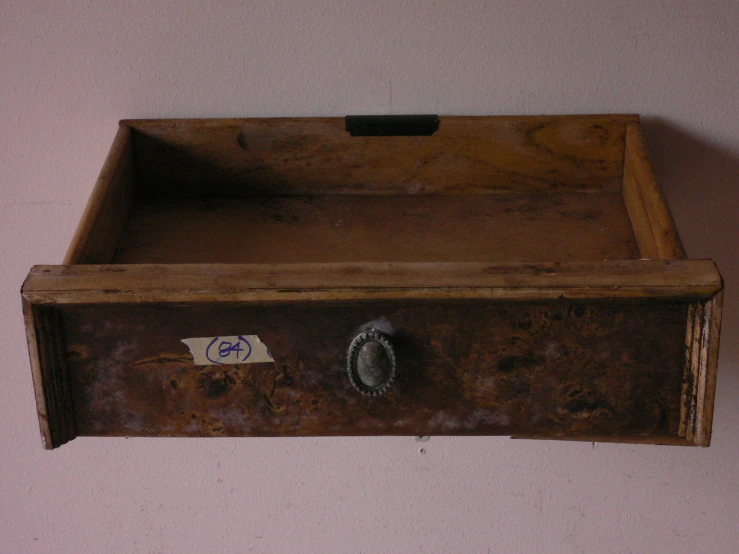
pixel 264 296
pixel 701 363
pixel 652 221
pixel 662 440
pixel 640 224
pixel 691 384
pixel 155 123
pixel 36 371
pixel 330 131
pixel 709 348
pixel 312 282
pixel 47 355
pixel 79 251
pixel 657 440
pixel 687 404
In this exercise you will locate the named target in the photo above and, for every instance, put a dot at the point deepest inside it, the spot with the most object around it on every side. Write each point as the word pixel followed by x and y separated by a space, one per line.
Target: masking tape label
pixel 238 349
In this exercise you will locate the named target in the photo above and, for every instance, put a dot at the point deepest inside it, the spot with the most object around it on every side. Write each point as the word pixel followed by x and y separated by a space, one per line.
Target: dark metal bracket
pixel 392 125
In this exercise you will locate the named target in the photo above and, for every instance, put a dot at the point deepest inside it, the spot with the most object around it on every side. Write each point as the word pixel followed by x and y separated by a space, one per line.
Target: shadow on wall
pixel 701 182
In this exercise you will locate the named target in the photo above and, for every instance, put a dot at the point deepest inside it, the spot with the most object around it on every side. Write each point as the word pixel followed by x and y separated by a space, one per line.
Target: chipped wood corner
pixel 50 378
pixel 701 362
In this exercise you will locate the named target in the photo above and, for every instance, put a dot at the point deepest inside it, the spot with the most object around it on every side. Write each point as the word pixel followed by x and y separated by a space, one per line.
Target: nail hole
pixel 241 139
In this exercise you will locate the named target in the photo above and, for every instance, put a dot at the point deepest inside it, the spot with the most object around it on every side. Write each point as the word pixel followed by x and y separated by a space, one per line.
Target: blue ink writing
pixel 224 349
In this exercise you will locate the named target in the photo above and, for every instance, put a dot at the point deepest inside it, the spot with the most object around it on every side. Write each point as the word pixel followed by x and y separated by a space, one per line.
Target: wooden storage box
pixel 525 270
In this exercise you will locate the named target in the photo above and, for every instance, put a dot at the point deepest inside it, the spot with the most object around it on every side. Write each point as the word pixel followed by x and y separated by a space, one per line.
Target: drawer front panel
pixel 556 369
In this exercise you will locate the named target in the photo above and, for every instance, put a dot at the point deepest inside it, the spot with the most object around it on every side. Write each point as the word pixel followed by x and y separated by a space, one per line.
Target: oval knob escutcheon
pixel 371 362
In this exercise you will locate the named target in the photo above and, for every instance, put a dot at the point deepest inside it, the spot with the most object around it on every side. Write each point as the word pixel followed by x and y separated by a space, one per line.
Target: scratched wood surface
pixel 331 282
pixel 389 228
pixel 554 369
pixel 48 357
pixel 467 155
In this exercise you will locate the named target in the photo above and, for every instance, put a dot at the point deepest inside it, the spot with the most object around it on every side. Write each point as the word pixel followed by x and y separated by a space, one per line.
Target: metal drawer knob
pixel 371 362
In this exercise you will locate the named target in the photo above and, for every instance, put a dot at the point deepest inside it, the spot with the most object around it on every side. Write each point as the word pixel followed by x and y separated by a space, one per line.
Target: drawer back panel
pixel 298 156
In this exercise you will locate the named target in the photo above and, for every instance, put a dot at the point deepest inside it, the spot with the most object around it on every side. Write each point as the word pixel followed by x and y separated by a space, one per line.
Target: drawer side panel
pixel 109 206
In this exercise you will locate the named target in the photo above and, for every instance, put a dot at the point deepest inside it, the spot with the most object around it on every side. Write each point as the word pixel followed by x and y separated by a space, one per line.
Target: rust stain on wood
pixel 558 369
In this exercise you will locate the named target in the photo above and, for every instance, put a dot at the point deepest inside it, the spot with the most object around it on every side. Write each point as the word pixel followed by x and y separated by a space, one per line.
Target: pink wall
pixel 70 69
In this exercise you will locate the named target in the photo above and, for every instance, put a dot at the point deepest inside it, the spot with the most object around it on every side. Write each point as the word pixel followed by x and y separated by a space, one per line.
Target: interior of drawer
pixel 302 190
pixel 392 228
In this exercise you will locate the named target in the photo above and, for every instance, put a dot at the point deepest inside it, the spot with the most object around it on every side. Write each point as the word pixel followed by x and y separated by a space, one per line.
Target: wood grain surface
pixel 48 355
pixel 651 219
pixel 109 207
pixel 259 283
pixel 554 369
pixel 701 363
pixel 287 156
pixel 502 252
pixel 390 228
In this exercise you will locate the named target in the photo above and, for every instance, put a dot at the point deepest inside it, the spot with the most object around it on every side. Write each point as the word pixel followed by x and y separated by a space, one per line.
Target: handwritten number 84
pixel 241 348
pixel 226 348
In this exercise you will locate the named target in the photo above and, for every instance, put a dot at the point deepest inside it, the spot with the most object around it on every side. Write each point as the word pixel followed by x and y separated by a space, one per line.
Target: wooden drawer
pixel 524 272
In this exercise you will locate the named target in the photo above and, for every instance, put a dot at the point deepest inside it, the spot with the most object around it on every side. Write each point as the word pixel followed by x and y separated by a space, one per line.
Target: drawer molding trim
pixel 45 335
pixel 701 362
pixel 247 283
